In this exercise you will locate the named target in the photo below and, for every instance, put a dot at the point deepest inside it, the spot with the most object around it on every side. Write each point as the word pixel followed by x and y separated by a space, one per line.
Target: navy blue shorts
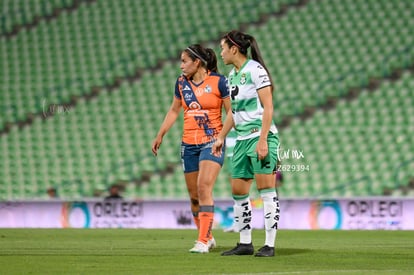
pixel 191 155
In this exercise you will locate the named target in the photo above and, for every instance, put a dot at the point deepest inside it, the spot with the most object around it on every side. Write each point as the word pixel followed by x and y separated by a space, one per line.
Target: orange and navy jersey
pixel 202 105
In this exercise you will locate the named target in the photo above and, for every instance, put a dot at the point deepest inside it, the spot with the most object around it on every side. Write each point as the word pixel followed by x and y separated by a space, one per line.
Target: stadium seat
pixel 314 53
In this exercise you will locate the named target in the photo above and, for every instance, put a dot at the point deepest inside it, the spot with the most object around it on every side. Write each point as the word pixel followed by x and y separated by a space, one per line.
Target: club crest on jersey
pixel 243 79
pixel 194 106
pixel 207 89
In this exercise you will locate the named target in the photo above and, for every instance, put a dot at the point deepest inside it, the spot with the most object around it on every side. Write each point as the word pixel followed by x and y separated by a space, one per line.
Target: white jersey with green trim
pixel 245 102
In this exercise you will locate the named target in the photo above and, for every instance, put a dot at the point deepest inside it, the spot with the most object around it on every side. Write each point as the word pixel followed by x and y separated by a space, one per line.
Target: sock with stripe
pixel 206 217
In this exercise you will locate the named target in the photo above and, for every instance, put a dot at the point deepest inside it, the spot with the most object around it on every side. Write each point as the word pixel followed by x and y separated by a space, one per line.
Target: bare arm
pixel 265 96
pixel 227 125
pixel 228 122
pixel 169 120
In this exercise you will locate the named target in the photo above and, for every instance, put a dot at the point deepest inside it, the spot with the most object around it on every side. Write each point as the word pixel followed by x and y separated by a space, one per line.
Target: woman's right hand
pixel 217 147
pixel 156 145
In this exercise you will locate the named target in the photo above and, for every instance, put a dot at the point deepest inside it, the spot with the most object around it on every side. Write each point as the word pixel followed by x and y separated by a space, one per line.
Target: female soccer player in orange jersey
pixel 202 93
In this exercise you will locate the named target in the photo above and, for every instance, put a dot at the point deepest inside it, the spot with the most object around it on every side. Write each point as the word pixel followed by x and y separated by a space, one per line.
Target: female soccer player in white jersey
pixel 255 152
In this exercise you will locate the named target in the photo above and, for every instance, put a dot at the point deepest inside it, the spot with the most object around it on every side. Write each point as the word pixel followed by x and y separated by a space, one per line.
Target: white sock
pixel 271 214
pixel 243 218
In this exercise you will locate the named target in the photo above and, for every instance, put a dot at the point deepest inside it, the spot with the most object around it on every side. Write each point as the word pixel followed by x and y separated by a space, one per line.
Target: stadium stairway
pixel 20 14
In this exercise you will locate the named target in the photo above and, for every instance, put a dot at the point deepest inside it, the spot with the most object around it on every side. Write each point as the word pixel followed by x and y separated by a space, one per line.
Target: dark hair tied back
pixel 243 42
pixel 206 55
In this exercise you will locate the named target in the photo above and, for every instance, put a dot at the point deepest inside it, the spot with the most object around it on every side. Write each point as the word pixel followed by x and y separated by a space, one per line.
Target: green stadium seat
pixel 314 52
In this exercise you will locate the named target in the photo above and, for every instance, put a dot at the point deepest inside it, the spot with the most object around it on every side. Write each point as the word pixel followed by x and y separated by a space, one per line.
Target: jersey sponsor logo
pixel 265 80
pixel 186 88
pixel 194 106
pixel 234 91
pixel 188 96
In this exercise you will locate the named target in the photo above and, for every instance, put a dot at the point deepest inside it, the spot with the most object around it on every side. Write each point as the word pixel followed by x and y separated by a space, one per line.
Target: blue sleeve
pixel 177 90
pixel 223 87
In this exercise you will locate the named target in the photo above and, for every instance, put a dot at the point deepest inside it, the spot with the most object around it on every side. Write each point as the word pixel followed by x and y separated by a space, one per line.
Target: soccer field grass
pixel 143 251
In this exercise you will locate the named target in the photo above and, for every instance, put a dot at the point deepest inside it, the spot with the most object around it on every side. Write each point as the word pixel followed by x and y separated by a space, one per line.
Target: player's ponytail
pixel 254 50
pixel 211 60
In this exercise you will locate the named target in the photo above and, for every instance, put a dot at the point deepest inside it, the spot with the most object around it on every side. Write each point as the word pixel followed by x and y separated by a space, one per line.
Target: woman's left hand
pixel 262 149
pixel 217 147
